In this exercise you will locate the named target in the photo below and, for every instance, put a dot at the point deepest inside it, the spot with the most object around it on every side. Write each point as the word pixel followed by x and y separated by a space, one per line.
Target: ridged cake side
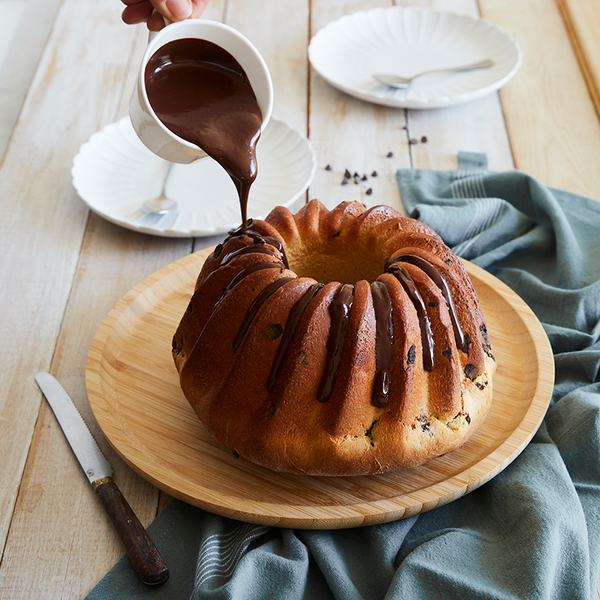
pixel 339 342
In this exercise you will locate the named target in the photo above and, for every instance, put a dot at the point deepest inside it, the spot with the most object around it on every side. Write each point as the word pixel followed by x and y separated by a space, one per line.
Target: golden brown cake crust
pixel 277 417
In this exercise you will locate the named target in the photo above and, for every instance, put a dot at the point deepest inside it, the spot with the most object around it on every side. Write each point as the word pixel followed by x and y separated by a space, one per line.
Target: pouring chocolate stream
pixel 202 94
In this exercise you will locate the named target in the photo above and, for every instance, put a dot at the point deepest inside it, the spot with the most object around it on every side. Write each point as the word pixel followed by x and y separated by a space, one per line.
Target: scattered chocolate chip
pixel 369 192
pixel 356 175
pixel 467 345
pixel 218 250
pixel 447 352
pixel 426 427
pixel 412 141
pixel 364 204
pixel 374 174
pixel 412 355
pixel 236 454
pixel 424 139
pixel 364 178
pixel 390 154
pixel 468 419
pixel 471 371
pixel 480 386
pixel 347 174
pixel 344 181
pixel 328 168
pixel 356 178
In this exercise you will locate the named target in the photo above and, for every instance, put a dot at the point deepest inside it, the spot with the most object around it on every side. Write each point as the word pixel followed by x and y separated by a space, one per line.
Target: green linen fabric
pixel 533 531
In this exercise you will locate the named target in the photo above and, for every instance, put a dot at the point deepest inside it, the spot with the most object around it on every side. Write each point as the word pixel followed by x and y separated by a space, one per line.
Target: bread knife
pixel 144 555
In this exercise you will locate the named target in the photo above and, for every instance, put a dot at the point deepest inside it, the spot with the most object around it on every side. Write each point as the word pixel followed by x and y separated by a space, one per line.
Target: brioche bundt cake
pixel 342 342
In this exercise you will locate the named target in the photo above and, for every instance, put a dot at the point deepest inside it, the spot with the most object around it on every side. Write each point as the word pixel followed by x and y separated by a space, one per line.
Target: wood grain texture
pixel 134 391
pixel 550 139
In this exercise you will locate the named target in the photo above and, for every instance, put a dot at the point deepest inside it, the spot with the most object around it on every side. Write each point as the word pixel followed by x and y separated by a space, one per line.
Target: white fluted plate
pixel 114 174
pixel 408 40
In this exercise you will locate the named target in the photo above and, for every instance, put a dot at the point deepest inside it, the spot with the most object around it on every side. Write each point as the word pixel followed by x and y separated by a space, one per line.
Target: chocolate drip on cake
pixel 402 275
pixel 290 327
pixel 245 250
pixel 339 310
pixel 384 344
pixel 442 284
pixel 258 239
pixel 256 306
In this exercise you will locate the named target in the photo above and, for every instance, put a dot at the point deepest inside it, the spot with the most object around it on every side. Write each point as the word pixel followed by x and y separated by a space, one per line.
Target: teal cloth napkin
pixel 531 532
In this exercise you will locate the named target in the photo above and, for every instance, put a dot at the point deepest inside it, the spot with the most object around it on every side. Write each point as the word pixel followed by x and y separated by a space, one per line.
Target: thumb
pixel 174 10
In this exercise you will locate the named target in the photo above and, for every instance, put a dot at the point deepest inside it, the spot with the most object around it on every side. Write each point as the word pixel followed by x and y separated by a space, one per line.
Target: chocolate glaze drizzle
pixel 439 280
pixel 339 310
pixel 401 274
pixel 384 343
pixel 290 327
pixel 256 306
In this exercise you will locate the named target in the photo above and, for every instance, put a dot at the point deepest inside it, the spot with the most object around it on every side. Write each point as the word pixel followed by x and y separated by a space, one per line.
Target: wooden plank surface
pixel 63 269
pixel 551 119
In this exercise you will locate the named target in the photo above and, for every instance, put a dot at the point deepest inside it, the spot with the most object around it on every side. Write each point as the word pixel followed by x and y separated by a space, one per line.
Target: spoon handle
pixel 482 64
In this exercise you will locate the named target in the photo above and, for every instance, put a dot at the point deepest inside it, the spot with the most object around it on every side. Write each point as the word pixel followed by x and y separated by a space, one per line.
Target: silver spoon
pixel 162 204
pixel 398 82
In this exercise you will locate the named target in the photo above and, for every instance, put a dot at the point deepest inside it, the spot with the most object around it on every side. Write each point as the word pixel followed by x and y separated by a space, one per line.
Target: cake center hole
pixel 349 266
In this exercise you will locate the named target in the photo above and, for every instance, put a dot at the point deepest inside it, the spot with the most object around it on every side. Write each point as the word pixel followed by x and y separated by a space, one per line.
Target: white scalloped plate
pixel 114 173
pixel 409 40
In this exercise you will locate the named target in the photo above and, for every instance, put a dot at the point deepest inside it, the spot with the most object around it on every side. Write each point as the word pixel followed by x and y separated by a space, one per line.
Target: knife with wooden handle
pixel 144 555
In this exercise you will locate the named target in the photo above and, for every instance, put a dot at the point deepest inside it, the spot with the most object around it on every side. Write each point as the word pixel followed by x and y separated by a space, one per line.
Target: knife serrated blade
pixel 76 431
pixel 140 548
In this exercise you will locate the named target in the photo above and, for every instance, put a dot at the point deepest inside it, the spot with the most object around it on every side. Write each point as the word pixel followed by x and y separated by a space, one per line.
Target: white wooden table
pixel 62 268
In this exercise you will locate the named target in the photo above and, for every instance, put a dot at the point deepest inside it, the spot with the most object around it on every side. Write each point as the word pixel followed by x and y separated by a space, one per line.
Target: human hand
pixel 153 11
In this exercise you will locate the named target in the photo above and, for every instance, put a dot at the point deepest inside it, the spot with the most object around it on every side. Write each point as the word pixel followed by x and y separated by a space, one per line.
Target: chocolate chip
pixel 426 427
pixel 369 192
pixel 467 344
pixel 344 181
pixel 218 250
pixel 364 178
pixel 468 419
pixel 374 174
pixel 471 371
pixel 328 168
pixel 484 334
pixel 390 154
pixel 412 355
pixel 236 454
pixel 447 352
pixel 275 331
pixel 347 174
pixel 424 139
pixel 356 178
pixel 304 361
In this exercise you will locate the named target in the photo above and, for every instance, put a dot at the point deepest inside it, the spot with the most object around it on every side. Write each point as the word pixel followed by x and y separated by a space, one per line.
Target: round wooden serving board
pixel 134 391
